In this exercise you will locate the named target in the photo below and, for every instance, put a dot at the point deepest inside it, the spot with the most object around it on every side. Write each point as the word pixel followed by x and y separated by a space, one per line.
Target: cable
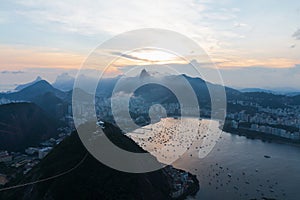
pixel 47 179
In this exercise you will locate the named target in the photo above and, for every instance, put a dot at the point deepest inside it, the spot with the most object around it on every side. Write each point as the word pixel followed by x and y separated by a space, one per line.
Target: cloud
pixel 220 15
pixel 114 16
pixel 17 57
pixel 239 25
pixel 296 35
pixel 218 26
pixel 4 17
pixel 272 63
pixel 264 77
pixel 149 56
pixel 129 56
pixel 192 18
pixel 12 72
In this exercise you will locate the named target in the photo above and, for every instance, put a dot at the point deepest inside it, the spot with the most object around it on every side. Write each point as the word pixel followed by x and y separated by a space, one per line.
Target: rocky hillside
pixel 23 125
pixel 90 179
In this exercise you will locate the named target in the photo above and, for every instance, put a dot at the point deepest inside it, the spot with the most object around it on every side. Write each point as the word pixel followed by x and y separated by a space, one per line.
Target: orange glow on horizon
pixel 265 63
pixel 16 58
pixel 19 58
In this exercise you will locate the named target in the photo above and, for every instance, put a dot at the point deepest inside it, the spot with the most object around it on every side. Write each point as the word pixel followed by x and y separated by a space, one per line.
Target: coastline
pixel 260 136
pixel 192 190
pixel 191 187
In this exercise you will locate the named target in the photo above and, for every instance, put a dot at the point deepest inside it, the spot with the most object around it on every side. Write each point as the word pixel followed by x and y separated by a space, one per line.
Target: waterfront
pixel 237 168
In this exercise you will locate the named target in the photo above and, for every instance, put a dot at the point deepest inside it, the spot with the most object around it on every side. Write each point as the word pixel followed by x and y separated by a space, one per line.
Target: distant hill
pixel 50 103
pixel 64 82
pixel 271 100
pixel 23 125
pixel 296 99
pixel 37 89
pixel 293 94
pixel 90 179
pixel 278 91
pixel 44 95
pixel 41 90
pixel 21 87
pixel 159 93
pixel 144 74
pixel 257 90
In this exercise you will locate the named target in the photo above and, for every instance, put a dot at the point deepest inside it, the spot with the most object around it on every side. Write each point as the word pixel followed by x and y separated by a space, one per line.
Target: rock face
pixel 144 74
pixel 90 179
pixel 23 125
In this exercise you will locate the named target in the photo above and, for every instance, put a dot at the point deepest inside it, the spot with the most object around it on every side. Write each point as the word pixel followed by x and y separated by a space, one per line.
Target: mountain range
pixel 47 104
pixel 282 91
pixel 51 104
pixel 41 92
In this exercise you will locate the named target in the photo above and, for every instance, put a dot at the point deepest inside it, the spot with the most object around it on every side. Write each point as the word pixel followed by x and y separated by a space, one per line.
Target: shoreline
pixel 260 136
pixel 193 190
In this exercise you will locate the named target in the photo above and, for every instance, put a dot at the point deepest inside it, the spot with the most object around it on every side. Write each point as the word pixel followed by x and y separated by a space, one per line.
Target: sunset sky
pixel 255 43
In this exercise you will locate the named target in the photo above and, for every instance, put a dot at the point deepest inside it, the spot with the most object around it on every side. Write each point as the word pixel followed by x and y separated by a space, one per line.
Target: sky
pixel 253 43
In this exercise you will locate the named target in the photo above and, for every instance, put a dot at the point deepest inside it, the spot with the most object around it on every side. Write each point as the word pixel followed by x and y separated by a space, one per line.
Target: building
pixel 31 150
pixel 100 124
pixel 234 124
pixel 5 157
pixel 44 151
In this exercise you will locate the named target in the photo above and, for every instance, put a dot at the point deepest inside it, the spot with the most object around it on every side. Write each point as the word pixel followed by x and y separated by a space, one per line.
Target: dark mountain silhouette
pixel 293 94
pixel 296 100
pixel 44 95
pixel 50 103
pixel 21 87
pixel 23 125
pixel 144 74
pixel 106 86
pixel 37 89
pixel 90 179
pixel 257 90
pixel 268 99
pixel 37 92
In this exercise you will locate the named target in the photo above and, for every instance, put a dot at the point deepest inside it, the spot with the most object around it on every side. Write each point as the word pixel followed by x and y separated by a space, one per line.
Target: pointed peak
pixel 38 78
pixel 22 86
pixel 144 74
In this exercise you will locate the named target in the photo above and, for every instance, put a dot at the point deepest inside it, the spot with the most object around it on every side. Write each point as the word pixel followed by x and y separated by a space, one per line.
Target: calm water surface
pixel 237 169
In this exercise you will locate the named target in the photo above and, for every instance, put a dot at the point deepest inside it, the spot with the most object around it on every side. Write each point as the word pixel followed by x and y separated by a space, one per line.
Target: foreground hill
pixel 23 125
pixel 90 179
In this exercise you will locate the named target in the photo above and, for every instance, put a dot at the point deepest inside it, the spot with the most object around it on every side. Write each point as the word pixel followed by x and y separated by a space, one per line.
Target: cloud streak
pixel 192 18
pixel 296 35
pixel 12 72
pixel 226 29
pixel 20 57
